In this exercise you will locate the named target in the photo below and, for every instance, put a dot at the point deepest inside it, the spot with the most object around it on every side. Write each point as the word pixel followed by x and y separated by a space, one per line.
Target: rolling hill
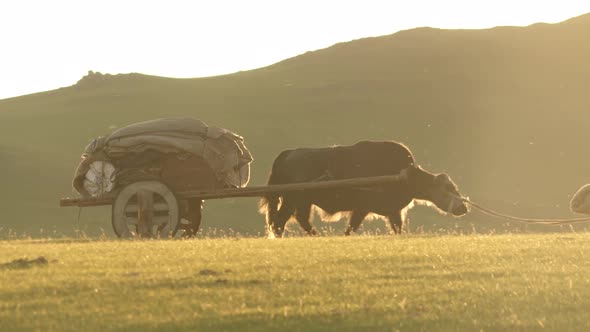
pixel 504 111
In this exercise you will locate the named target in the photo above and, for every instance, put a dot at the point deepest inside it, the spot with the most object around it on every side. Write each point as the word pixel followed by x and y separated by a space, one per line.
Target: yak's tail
pixel 270 203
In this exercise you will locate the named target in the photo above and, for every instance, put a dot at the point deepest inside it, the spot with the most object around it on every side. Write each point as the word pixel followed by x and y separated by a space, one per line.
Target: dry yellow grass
pixel 504 282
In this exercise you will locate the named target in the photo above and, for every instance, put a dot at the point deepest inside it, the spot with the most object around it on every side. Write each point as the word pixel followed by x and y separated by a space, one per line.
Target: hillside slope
pixel 504 111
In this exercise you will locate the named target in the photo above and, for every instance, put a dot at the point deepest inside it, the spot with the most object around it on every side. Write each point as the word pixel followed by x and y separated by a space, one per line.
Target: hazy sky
pixel 49 44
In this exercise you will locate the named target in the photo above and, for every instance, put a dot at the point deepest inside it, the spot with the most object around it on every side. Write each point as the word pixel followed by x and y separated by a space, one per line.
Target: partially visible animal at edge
pixel 363 159
pixel 580 203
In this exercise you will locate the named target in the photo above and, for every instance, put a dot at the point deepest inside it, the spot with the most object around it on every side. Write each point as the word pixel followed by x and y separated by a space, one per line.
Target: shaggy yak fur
pixel 363 159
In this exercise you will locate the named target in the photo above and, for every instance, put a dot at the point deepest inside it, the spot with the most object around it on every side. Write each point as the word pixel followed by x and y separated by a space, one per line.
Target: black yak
pixel 363 159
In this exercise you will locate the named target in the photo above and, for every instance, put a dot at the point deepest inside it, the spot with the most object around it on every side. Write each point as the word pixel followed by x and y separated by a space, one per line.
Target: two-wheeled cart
pixel 152 208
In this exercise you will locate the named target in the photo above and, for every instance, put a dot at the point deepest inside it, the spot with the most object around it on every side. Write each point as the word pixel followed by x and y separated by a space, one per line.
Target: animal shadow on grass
pixel 211 278
pixel 24 263
pixel 221 281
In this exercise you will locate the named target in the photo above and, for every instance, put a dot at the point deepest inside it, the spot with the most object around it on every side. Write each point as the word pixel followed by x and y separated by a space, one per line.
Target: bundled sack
pixel 142 144
pixel 580 203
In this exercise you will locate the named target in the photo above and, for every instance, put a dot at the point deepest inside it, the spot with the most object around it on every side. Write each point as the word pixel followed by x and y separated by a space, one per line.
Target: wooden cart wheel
pixel 145 209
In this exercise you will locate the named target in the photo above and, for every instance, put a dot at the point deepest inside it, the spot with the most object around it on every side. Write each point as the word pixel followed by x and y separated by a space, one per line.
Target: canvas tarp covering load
pixel 223 150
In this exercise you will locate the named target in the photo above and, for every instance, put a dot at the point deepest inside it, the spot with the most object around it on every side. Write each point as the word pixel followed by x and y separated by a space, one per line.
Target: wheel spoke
pixel 145 212
pixel 158 207
pixel 160 220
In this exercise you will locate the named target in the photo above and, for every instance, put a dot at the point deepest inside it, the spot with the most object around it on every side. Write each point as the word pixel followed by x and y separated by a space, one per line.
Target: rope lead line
pixel 525 220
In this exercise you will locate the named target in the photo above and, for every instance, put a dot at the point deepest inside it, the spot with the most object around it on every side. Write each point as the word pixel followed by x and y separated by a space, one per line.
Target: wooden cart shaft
pixel 258 191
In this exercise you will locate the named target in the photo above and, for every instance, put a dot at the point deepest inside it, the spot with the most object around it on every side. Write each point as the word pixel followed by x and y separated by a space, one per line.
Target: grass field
pixel 377 283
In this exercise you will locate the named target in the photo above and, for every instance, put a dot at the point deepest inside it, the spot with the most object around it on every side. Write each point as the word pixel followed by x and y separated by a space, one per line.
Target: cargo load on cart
pixel 158 158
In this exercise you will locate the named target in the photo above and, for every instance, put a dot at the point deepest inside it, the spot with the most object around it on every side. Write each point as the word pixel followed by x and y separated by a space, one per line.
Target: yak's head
pixel 438 189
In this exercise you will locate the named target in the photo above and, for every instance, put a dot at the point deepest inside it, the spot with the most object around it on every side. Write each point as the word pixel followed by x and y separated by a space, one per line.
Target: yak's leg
pixel 194 216
pixel 191 211
pixel 396 221
pixel 355 221
pixel 277 223
pixel 303 216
